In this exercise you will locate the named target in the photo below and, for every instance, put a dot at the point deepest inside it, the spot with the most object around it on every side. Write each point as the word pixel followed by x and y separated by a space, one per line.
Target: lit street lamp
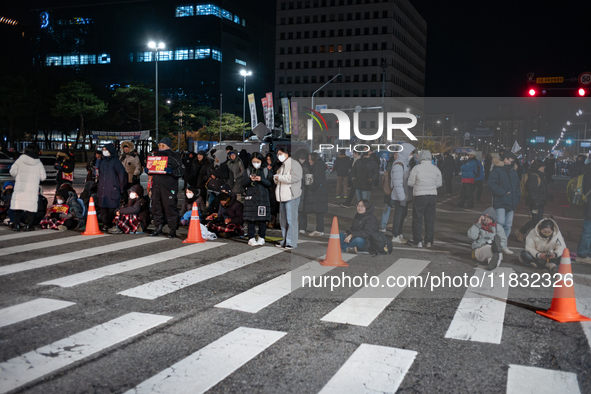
pixel 155 47
pixel 245 74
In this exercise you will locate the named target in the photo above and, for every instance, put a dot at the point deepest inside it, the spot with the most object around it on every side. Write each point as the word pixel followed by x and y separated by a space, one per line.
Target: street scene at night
pixel 276 196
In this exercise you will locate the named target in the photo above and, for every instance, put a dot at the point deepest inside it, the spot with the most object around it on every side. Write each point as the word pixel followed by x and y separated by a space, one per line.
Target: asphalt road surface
pixel 137 314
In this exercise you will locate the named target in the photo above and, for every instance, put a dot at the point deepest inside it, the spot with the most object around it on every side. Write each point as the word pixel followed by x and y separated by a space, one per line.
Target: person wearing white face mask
pixel 65 214
pixel 289 189
pixel 192 195
pixel 133 217
pixel 112 181
pixel 257 204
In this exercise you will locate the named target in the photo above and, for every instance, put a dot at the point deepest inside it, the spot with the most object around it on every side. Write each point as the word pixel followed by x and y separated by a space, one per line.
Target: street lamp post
pixel 220 118
pixel 155 47
pixel 317 90
pixel 245 74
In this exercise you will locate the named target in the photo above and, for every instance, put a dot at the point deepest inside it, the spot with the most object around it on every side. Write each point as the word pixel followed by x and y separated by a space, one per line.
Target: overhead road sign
pixel 585 79
pixel 550 80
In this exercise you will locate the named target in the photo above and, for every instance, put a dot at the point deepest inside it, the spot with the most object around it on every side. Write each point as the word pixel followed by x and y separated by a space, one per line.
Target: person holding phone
pixel 489 239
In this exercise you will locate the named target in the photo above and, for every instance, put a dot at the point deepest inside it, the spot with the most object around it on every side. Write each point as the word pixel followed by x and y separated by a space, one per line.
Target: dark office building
pixel 205 46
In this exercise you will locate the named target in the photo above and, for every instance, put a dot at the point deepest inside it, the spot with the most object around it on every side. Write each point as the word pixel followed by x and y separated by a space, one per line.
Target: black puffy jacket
pixel 257 203
pixel 364 224
pixel 317 192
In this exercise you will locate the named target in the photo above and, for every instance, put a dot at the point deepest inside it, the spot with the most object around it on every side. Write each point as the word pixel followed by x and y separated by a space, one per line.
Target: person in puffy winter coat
pixel 544 246
pixel 469 170
pixel 228 221
pixel 131 163
pixel 342 166
pixel 316 200
pixel 65 164
pixel 66 214
pixel 28 172
pixel 365 172
pixel 112 183
pixel 449 167
pixel 42 204
pixel 489 239
pixel 479 178
pixel 134 216
pixel 365 224
pixel 93 165
pixel 257 202
pixel 192 195
pixel 401 193
pixel 236 170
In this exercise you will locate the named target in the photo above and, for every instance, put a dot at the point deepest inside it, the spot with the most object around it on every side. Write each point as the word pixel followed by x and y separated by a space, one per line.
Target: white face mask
pixel 256 165
pixel 281 158
pixel 106 153
pixel 190 195
pixel 60 201
pixel 133 196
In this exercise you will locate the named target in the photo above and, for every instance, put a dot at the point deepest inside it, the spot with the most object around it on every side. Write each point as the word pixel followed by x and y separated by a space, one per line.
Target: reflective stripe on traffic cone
pixel 92 227
pixel 334 258
pixel 564 304
pixel 194 236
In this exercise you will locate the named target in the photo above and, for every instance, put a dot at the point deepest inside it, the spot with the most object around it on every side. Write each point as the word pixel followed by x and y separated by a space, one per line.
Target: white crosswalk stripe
pixel 481 312
pixel 28 310
pixel 583 294
pixel 88 276
pixel 25 234
pixel 33 365
pixel 205 368
pixel 46 244
pixel 159 288
pixel 79 254
pixel 532 380
pixel 371 369
pixel 265 294
pixel 363 307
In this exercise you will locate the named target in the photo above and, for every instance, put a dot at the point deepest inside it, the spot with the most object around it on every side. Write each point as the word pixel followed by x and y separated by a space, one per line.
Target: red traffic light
pixel 532 92
pixel 582 92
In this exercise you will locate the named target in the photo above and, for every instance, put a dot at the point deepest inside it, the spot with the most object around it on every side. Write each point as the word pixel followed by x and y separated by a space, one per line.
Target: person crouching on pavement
pixel 365 224
pixel 228 221
pixel 544 246
pixel 257 203
pixel 192 194
pixel 489 239
pixel 65 214
pixel 133 217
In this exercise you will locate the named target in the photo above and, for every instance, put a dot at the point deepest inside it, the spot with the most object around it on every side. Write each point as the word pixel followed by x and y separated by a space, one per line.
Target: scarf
pixel 488 227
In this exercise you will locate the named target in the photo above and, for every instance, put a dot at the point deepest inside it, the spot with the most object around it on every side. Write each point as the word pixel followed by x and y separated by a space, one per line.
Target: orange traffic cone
pixel 564 304
pixel 92 227
pixel 194 236
pixel 334 258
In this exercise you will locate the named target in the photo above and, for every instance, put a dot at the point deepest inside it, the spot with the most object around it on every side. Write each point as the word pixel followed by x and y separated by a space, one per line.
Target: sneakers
pixel 383 229
pixel 115 230
pixel 288 247
pixel 519 236
pixel 261 241
pixel 428 244
pixel 352 250
pixel 61 227
pixel 414 244
pixel 397 239
pixel 494 262
pixel 252 242
pixel 279 245
pixel 338 197
pixel 302 231
pixel 507 251
pixel 585 260
pixel 316 234
pixel 550 266
pixel 345 197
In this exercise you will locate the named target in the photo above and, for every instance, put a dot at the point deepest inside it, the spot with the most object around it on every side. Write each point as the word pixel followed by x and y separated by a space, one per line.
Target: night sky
pixel 480 48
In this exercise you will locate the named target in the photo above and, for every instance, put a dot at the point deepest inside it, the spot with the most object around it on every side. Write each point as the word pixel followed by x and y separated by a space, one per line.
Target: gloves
pixel 146 170
pixel 403 203
pixel 168 170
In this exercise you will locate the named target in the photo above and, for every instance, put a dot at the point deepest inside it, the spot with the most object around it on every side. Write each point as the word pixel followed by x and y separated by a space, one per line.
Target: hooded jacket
pixel 536 244
pixel 188 202
pixel 112 180
pixel 537 189
pixel 234 210
pixel 480 236
pixel 28 173
pixel 66 162
pixel 449 166
pixel 342 165
pixel 138 206
pixel 469 168
pixel 504 185
pixel 365 173
pixel 288 181
pixel 236 172
pixel 399 175
pixel 364 224
pixel 130 161
pixel 425 177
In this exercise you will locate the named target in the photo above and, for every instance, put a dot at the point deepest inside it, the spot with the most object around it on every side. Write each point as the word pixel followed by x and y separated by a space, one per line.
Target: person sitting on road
pixel 192 194
pixel 489 239
pixel 37 216
pixel 228 221
pixel 133 217
pixel 5 198
pixel 365 224
pixel 214 205
pixel 544 246
pixel 66 214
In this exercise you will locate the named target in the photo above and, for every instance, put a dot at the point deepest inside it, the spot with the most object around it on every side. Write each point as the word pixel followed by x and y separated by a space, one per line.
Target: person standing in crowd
pixel 165 191
pixel 449 167
pixel 134 216
pixel 28 172
pixel 487 166
pixel 93 165
pixel 131 163
pixel 544 246
pixel 506 191
pixel 387 188
pixel 458 165
pixel 365 173
pixel 424 178
pixel 536 196
pixel 42 205
pixel 342 166
pixel 584 245
pixel 272 166
pixel 65 164
pixel 201 171
pixel 257 204
pixel 488 239
pixel 112 183
pixel 188 163
pixel 479 178
pixel 236 170
pixel 289 189
pixel 365 224
pixel 401 193
pixel 578 167
pixel 550 169
pixel 316 195
pixel 245 157
pixel 352 189
pixel 301 156
pixel 469 172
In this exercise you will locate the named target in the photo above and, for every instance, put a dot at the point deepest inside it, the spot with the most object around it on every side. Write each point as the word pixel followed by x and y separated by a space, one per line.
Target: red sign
pixel 585 79
pixel 157 164
pixel 59 208
pixel 68 176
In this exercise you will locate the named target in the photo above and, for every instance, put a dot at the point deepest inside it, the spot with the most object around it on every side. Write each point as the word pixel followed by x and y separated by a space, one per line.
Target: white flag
pixel 516 148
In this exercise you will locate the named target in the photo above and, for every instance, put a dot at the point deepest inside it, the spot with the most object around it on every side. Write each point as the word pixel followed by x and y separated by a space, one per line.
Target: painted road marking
pixel 45 244
pixel 481 312
pixel 371 369
pixel 363 307
pixel 28 310
pixel 26 234
pixel 207 367
pixel 33 365
pixel 159 288
pixel 532 380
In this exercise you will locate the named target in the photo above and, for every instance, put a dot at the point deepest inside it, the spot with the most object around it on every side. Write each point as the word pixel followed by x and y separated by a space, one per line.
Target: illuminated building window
pixel 236 19
pixel 216 55
pixel 202 53
pixel 227 14
pixel 209 9
pixel 181 54
pixel 71 60
pixel 241 62
pixel 184 10
pixel 164 56
pixel 104 58
pixel 53 60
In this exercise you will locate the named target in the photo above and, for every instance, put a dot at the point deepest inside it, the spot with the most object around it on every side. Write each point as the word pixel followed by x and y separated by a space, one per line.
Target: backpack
pixel 523 182
pixel 378 243
pixel 575 192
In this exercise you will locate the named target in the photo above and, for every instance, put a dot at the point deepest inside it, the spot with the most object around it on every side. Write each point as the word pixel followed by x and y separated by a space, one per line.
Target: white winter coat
pixel 288 181
pixel 28 173
pixel 425 177
pixel 399 175
pixel 536 244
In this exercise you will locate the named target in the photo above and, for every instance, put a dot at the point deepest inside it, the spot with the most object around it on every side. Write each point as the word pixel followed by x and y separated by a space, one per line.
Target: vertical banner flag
pixel 253 111
pixel 271 123
pixel 516 148
pixel 286 115
pixel 265 111
pixel 294 118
